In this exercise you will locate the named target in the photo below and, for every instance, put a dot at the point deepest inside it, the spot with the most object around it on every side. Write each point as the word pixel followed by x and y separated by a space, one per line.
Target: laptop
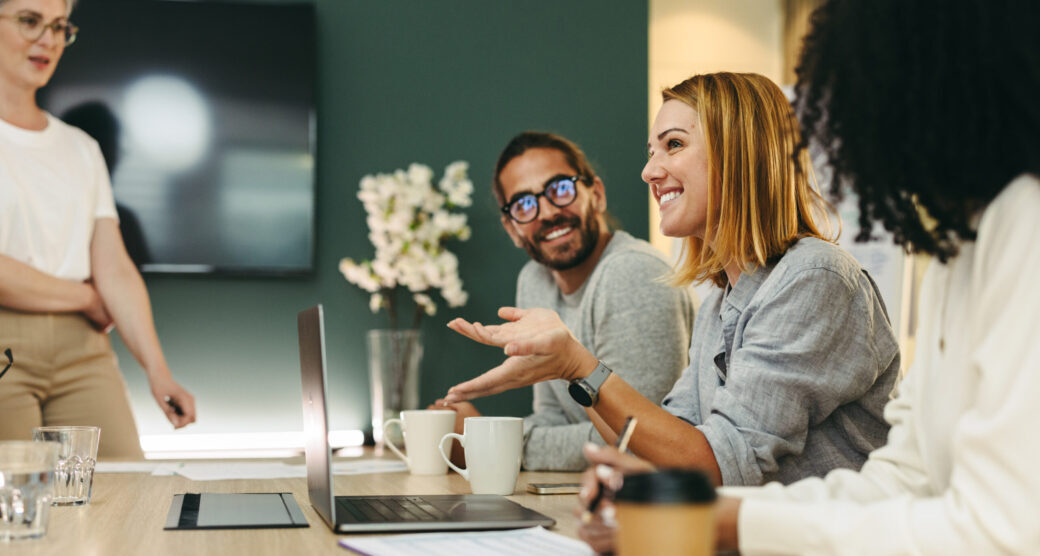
pixel 382 514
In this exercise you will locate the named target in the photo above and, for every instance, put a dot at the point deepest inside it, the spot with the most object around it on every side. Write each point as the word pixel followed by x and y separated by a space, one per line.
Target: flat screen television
pixel 206 111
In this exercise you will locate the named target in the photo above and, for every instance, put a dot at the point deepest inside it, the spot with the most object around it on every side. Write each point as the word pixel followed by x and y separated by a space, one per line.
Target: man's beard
pixel 588 235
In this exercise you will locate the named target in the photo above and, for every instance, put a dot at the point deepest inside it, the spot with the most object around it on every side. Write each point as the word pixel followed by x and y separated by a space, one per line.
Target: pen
pixel 10 361
pixel 174 406
pixel 621 445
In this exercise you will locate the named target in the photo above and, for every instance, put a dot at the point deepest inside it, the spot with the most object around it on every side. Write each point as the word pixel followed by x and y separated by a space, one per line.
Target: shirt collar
pixel 739 296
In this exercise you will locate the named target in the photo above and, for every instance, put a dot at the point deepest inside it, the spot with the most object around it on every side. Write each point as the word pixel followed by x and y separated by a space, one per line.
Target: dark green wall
pixel 402 81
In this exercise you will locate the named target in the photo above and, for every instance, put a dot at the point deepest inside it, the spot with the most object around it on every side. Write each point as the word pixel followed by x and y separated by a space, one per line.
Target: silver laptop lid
pixel 311 323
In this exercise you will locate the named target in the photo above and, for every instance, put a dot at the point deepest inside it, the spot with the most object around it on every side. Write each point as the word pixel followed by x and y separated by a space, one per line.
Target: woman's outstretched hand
pixel 540 347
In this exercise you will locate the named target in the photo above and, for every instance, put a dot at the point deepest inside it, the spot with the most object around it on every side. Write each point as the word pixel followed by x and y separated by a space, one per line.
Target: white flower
pixel 420 174
pixel 426 303
pixel 408 221
pixel 360 274
pixel 375 302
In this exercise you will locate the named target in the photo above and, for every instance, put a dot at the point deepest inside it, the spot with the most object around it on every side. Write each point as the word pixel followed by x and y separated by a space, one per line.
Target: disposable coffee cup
pixel 666 512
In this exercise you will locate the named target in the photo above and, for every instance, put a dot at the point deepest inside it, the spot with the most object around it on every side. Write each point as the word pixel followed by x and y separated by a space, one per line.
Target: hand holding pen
pixel 603 472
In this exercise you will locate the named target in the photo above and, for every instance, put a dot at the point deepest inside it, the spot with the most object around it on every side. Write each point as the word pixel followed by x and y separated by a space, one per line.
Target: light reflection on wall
pixel 264 198
pixel 168 120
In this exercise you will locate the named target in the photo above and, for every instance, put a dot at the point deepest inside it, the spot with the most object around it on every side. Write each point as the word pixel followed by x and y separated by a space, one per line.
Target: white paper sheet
pixel 219 471
pixel 518 542
pixel 152 467
pixel 125 466
pixel 361 466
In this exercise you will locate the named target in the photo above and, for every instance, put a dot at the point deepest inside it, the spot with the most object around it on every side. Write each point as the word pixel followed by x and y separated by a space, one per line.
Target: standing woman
pixel 65 276
pixel 792 358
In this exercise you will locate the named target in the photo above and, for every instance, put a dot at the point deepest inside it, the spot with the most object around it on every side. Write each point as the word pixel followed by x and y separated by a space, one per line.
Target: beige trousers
pixel 64 373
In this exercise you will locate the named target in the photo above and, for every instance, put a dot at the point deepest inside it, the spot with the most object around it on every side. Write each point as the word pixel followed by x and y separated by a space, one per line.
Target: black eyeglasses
pixel 560 191
pixel 32 27
pixel 10 361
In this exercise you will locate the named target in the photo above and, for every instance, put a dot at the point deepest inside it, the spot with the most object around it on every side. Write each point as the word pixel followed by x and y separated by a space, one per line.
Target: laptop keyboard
pixel 386 509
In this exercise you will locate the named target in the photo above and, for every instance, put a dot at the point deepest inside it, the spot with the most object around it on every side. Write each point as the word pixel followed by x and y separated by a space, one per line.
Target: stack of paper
pixel 518 542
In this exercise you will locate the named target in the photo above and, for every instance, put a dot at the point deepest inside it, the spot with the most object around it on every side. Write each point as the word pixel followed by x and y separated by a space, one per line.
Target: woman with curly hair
pixel 929 112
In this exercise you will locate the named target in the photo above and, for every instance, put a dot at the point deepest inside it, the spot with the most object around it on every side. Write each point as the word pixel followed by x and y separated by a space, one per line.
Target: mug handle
pixel 389 444
pixel 440 448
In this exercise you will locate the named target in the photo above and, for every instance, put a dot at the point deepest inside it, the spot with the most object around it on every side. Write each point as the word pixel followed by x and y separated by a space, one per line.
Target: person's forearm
pixel 124 294
pixel 24 288
pixel 660 438
pixel 604 430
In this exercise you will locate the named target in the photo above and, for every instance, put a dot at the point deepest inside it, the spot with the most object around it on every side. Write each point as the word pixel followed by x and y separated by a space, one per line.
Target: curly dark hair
pixel 923 105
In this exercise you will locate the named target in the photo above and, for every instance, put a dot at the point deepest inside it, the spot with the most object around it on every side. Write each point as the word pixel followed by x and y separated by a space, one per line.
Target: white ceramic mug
pixel 423 429
pixel 493 447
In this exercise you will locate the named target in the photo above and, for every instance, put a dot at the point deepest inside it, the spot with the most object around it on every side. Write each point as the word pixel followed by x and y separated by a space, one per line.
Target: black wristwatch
pixel 586 390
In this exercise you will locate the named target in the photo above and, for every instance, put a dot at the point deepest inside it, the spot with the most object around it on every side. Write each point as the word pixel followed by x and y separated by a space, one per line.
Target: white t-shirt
pixel 958 475
pixel 53 186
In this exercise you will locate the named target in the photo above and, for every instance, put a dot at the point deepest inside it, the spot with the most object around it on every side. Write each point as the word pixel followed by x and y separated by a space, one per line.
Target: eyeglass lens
pixel 560 192
pixel 33 28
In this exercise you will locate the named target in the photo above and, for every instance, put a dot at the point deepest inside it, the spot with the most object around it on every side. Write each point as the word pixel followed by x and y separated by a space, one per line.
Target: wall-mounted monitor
pixel 210 113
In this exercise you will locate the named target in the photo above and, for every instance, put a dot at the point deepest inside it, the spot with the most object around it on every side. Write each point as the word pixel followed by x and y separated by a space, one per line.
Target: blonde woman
pixel 65 276
pixel 792 359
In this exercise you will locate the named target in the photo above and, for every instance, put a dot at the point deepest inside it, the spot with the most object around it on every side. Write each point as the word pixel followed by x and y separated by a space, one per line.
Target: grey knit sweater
pixel 638 326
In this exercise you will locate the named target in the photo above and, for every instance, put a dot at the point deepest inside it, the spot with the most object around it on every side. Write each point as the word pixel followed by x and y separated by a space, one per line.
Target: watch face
pixel 580 394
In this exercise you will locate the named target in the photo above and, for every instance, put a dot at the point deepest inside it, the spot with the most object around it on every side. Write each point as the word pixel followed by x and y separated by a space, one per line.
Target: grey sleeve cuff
pixel 557 448
pixel 736 461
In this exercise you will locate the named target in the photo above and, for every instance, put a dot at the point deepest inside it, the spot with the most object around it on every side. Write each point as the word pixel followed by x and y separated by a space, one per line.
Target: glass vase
pixel 393 366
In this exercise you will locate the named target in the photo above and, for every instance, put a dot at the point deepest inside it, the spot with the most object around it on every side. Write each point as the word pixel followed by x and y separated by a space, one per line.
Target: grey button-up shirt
pixel 791 368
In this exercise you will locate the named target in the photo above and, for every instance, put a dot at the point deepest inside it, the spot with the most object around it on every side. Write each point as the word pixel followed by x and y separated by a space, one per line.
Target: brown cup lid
pixel 668 486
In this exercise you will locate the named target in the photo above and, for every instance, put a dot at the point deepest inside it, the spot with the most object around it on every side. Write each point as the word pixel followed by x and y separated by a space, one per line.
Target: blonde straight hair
pixel 762 197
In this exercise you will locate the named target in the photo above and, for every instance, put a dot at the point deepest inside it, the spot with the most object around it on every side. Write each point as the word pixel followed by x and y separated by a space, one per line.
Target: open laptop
pixel 372 514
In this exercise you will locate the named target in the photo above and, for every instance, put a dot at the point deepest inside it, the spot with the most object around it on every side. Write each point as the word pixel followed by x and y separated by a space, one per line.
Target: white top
pixel 53 185
pixel 959 474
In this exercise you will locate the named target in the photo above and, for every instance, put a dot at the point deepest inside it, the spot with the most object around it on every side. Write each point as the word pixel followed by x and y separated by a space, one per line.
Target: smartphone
pixel 553 488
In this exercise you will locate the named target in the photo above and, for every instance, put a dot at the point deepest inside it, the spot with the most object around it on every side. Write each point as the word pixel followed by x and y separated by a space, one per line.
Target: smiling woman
pixel 742 198
pixel 791 360
pixel 65 276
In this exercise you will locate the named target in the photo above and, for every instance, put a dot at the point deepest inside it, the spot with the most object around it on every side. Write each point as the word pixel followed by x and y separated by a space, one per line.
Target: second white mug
pixel 423 429
pixel 493 447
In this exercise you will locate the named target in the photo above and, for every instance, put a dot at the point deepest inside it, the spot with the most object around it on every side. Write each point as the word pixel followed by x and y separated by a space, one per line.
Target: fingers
pixel 475 331
pixel 511 313
pixel 465 328
pixel 600 532
pixel 492 382
pixel 550 341
pixel 609 457
pixel 589 487
pixel 181 400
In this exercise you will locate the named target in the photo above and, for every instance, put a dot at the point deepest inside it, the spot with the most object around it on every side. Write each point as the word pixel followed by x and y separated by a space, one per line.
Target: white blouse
pixel 959 474
pixel 53 186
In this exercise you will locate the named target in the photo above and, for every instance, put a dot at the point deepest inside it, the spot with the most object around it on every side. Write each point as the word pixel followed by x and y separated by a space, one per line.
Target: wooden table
pixel 127 512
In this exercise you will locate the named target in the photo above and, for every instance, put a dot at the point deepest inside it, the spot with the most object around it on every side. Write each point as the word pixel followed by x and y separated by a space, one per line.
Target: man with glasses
pixel 605 285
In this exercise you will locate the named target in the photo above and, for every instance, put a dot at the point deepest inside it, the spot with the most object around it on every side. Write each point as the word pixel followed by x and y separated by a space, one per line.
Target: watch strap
pixel 585 390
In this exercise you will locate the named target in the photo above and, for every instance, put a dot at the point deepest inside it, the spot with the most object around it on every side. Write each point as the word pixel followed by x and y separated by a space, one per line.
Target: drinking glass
pixel 26 487
pixel 74 472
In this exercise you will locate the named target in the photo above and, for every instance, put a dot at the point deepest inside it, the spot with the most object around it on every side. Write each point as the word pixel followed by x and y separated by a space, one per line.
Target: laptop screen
pixel 311 323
